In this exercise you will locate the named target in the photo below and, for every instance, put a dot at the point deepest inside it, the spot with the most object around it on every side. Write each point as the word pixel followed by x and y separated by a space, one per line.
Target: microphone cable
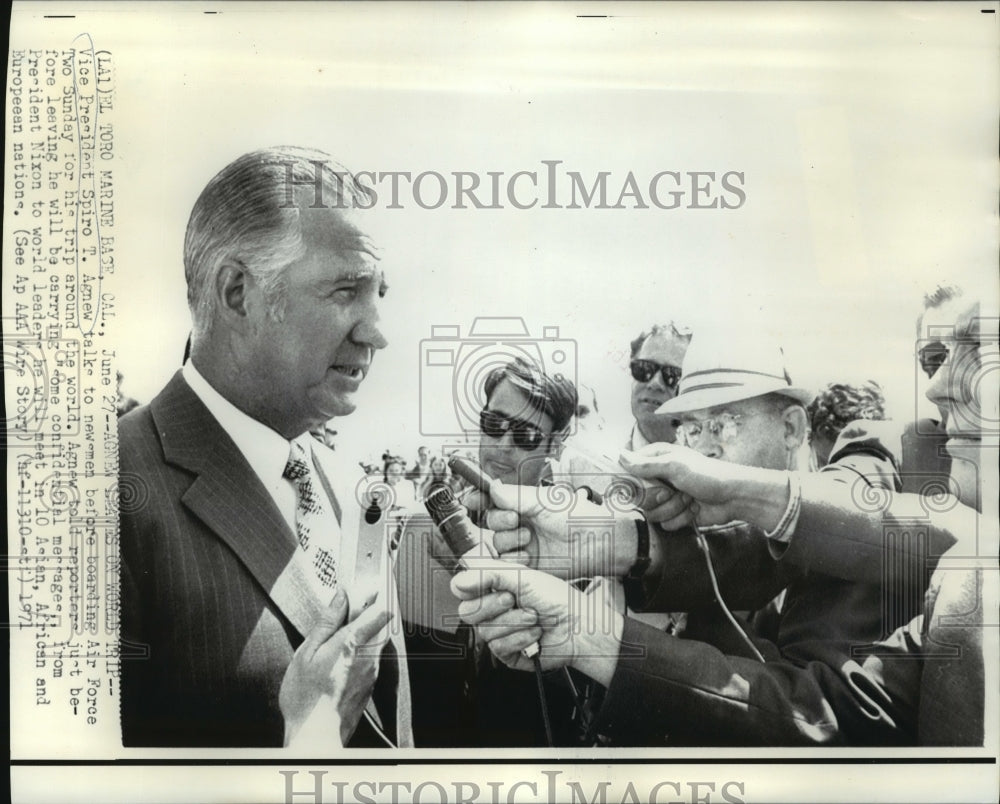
pixel 537 663
pixel 703 544
pixel 378 730
pixel 464 542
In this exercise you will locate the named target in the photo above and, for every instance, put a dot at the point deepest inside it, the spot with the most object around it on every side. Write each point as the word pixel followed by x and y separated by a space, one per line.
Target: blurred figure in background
pixel 835 407
pixel 420 472
pixel 394 474
pixel 123 402
pixel 441 474
pixel 589 421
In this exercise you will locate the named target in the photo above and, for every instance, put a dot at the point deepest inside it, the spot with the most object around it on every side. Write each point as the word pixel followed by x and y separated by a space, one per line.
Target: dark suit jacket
pixel 861 528
pixel 210 590
pixel 814 687
pixel 812 690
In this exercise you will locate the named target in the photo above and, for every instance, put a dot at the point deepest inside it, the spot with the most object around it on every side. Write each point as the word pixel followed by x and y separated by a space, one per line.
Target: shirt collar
pixel 638 440
pixel 265 450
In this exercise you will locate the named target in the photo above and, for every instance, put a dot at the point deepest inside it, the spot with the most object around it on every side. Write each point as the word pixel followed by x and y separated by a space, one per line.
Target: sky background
pixel 865 132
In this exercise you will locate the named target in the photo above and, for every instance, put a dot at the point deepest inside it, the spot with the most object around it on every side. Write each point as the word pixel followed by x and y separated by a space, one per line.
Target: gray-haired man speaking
pixel 237 574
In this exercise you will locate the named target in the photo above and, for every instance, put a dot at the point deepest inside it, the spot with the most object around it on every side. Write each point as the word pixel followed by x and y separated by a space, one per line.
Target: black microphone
pixel 471 473
pixel 464 540
pixel 452 519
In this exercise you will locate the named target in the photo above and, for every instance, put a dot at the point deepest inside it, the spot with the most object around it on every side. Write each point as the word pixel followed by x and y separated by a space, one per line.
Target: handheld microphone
pixel 452 520
pixel 471 473
pixel 462 537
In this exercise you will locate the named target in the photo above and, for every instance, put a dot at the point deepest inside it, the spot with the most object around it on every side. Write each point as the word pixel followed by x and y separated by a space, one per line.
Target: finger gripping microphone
pixel 464 540
pixel 470 473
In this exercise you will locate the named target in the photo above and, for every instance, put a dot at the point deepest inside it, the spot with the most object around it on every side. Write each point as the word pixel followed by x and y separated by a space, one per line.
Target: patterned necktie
pixel 312 517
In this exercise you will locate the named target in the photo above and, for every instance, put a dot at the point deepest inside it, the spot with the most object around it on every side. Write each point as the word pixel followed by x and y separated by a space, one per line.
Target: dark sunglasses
pixel 645 370
pixel 932 357
pixel 526 435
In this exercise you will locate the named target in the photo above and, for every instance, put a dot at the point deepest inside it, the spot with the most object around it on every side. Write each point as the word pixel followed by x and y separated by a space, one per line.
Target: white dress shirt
pixel 267 453
pixel 265 450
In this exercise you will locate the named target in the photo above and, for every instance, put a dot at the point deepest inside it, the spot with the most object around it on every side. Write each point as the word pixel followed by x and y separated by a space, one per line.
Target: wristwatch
pixel 632 581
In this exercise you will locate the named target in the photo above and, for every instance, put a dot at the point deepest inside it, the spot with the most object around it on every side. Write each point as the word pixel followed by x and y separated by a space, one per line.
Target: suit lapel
pixel 229 498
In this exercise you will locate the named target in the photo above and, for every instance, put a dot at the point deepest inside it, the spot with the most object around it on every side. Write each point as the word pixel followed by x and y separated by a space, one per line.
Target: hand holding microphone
pixel 565 629
pixel 464 540
pixel 471 473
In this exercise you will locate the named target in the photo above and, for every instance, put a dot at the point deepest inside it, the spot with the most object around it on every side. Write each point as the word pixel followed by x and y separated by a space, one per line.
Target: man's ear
pixel 796 422
pixel 232 285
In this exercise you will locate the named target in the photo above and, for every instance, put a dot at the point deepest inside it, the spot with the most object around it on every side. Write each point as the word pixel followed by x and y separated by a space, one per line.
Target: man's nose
pixel 656 381
pixel 939 390
pixel 367 330
pixel 707 445
pixel 506 441
pixel 712 450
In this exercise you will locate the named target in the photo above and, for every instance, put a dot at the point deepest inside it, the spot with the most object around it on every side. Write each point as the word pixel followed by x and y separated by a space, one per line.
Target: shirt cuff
pixel 779 539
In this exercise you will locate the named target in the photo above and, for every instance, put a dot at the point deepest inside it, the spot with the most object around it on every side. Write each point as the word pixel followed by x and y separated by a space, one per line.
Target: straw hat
pixel 720 367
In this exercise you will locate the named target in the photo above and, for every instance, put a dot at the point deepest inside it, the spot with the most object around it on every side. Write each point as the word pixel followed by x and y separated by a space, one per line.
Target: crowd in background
pixel 790 630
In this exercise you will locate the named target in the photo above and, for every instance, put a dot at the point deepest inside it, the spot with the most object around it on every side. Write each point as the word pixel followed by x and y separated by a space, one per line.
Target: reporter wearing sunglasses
pixel 522 426
pixel 655 366
pixel 526 417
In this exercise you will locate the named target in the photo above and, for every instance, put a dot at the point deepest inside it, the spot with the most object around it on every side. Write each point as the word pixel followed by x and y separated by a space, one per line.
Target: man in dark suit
pixel 240 537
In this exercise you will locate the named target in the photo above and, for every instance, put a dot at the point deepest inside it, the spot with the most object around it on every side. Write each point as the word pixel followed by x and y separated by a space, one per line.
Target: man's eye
pixel 344 293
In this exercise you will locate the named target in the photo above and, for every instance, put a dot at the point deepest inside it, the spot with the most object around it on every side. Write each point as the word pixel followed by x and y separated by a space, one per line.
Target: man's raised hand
pixel 331 676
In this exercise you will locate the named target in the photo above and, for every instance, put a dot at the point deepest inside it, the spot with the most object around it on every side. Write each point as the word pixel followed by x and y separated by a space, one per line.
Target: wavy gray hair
pixel 247 214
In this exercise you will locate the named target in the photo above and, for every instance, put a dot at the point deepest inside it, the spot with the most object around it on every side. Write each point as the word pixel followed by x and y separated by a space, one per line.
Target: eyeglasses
pixel 723 428
pixel 932 357
pixel 526 435
pixel 645 370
